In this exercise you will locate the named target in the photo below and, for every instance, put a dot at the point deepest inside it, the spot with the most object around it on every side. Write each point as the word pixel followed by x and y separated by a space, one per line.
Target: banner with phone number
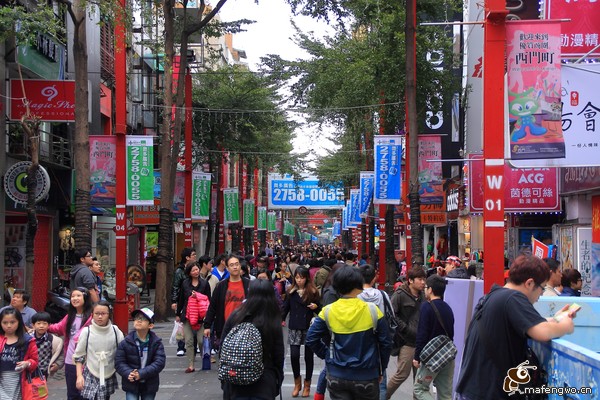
pixel 285 193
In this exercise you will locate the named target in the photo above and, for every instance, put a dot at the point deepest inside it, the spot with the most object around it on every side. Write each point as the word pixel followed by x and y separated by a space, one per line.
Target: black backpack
pixel 389 314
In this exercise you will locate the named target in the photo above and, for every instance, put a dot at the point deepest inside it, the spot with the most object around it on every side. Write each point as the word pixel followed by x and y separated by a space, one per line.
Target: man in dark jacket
pixel 141 357
pixel 187 255
pixel 228 295
pixel 406 301
pixel 82 276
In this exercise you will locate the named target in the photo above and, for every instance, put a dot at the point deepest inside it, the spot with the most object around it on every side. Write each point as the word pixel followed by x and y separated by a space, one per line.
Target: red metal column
pixel 493 140
pixel 121 315
pixel 187 226
pixel 255 233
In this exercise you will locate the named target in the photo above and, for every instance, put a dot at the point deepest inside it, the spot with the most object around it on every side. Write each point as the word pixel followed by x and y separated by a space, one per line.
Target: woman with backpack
pixel 188 310
pixel 302 303
pixel 261 311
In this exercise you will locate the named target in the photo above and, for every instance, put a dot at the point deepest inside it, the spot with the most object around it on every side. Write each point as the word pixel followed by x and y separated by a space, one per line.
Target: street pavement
pixel 175 384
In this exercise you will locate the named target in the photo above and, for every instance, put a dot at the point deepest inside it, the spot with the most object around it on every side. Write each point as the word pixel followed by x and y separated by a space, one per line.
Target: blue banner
pixel 285 193
pixel 388 158
pixel 337 229
pixel 367 179
pixel 345 212
pixel 355 207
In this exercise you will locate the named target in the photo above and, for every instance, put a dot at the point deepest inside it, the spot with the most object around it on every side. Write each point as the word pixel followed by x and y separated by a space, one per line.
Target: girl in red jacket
pixel 18 352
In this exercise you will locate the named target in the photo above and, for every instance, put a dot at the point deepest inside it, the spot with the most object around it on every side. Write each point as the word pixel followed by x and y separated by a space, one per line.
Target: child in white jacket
pixel 96 349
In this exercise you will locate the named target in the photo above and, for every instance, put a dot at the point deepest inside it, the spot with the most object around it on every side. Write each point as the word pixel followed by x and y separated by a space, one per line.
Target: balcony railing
pixel 54 149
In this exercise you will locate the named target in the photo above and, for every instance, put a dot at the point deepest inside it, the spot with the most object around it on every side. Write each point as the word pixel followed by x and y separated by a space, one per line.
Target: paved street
pixel 175 384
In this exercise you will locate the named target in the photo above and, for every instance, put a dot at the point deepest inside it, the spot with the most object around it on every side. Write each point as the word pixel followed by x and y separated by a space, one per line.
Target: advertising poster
pixel 286 193
pixel 580 35
pixel 431 188
pixel 345 219
pixel 179 195
pixel 231 208
pixel 48 100
pixel 584 259
pixel 200 195
pixel 271 221
pixel 248 213
pixel 355 219
pixel 262 218
pixel 388 158
pixel 140 170
pixel 565 247
pixel 534 89
pixel 102 170
pixel 595 267
pixel 367 179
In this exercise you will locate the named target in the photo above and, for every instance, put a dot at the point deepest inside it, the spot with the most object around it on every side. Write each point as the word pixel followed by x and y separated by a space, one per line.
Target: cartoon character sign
pixel 522 108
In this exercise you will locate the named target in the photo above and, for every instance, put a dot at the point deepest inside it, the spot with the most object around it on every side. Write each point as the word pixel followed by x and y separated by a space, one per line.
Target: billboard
pixel 285 193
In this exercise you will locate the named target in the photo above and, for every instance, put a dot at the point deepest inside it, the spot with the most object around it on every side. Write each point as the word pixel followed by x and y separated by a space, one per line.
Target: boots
pixel 297 386
pixel 319 396
pixel 306 391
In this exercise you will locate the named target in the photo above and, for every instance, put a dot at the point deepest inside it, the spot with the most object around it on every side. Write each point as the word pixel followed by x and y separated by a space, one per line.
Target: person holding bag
pixel 436 327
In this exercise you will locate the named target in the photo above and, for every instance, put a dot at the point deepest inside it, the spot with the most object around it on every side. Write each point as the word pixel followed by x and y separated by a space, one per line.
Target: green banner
pixel 248 213
pixel 140 171
pixel 271 222
pixel 262 219
pixel 231 206
pixel 200 195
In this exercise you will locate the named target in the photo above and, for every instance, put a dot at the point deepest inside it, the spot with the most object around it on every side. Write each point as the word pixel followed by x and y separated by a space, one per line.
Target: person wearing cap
pixel 455 269
pixel 140 358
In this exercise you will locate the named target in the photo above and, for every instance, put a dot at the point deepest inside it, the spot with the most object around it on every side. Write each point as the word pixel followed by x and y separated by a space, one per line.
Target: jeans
pixel 442 381
pixel 405 359
pixel 139 396
pixel 71 379
pixel 383 387
pixel 322 382
pixel 342 389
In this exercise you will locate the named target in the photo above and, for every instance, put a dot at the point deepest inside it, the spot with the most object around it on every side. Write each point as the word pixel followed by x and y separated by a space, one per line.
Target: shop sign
pixel 48 100
pixel 576 179
pixel 15 182
pixel 525 190
pixel 434 219
pixel 146 215
pixel 452 200
pixel 579 35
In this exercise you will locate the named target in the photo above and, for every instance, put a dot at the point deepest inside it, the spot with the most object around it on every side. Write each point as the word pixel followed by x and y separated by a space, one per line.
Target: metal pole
pixel 121 314
pixel 493 141
pixel 187 226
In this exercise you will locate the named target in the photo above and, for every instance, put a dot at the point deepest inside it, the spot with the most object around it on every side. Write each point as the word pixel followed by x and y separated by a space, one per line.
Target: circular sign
pixel 302 210
pixel 15 182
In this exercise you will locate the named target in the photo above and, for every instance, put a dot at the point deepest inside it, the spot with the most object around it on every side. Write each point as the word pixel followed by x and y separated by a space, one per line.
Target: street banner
pixel 367 179
pixel 231 206
pixel 248 213
pixel 200 195
pixel 388 157
pixel 584 259
pixel 431 189
pixel 538 249
pixel 140 170
pixel 103 168
pixel 595 273
pixel 262 218
pixel 48 100
pixel 534 89
pixel 580 119
pixel 337 229
pixel 271 221
pixel 179 195
pixel 345 218
pixel 285 193
pixel 580 30
pixel 355 207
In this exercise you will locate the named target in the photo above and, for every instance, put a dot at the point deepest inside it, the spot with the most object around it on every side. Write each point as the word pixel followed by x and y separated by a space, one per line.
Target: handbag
pixel 439 351
pixel 34 386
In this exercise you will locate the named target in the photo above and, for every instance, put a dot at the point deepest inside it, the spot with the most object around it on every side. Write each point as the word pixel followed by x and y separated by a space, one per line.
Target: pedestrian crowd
pixel 233 309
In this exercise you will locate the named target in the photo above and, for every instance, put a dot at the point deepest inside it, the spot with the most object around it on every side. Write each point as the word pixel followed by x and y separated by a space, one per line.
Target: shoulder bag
pixel 439 351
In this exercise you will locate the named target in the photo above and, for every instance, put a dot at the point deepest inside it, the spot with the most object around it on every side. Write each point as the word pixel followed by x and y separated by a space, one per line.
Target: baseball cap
pixel 148 313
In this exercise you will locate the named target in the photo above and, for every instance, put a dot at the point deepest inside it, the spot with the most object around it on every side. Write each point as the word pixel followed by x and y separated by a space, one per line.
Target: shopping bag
pixel 34 386
pixel 177 333
pixel 206 354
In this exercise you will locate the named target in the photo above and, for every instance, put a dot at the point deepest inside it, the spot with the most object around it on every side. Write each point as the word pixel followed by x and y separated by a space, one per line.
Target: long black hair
pixel 260 308
pixel 20 332
pixel 72 313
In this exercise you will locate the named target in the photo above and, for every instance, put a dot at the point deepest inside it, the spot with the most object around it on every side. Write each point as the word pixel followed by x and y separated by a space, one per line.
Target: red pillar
pixel 121 314
pixel 493 140
pixel 255 233
pixel 187 226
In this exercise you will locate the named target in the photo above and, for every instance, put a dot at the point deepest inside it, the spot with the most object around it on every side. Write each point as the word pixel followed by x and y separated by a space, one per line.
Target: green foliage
pixel 24 25
pixel 236 111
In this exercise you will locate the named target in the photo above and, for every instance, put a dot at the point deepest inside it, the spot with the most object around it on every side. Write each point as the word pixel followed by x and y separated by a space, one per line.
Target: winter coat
pixel 30 355
pixel 459 273
pixel 215 316
pixel 300 314
pixel 128 358
pixel 178 279
pixel 407 308
pixel 194 307
pixel 184 297
pixel 321 276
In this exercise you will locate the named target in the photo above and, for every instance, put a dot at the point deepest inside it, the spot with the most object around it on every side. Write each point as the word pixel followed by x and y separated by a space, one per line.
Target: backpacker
pixel 389 314
pixel 241 355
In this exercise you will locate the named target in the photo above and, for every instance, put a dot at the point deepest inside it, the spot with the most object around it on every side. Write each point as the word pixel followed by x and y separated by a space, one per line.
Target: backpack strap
pixel 373 311
pixel 439 317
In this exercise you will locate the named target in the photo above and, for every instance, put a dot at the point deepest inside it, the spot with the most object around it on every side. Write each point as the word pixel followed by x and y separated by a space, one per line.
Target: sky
pixel 271 34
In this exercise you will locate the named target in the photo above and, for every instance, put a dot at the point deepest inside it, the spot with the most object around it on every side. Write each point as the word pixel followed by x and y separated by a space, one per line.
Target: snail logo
pixel 49 92
pixel 517 376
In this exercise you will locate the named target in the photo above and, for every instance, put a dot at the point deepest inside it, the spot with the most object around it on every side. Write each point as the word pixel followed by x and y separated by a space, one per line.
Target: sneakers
pixel 180 353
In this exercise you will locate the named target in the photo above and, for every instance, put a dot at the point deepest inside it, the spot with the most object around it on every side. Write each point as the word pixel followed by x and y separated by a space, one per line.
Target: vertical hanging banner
pixel 249 213
pixel 262 218
pixel 355 207
pixel 337 229
pixel 231 208
pixel 388 156
pixel 271 222
pixel 431 190
pixel 200 195
pixel 345 218
pixel 367 179
pixel 140 171
pixel 595 285
pixel 534 89
pixel 103 168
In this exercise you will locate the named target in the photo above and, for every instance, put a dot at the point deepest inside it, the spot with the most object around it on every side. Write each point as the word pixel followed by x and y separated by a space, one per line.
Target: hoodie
pixel 375 296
